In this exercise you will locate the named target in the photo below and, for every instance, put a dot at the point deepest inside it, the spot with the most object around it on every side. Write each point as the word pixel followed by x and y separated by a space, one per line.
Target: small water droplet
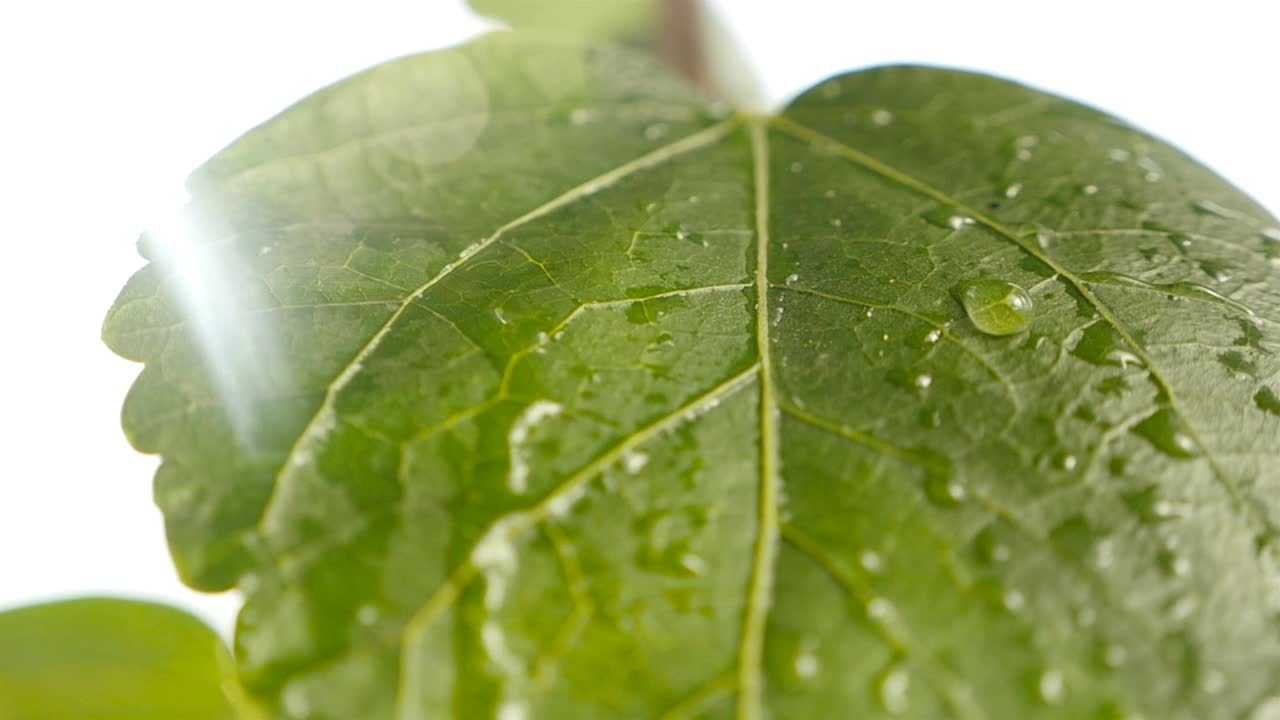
pixel 1046 239
pixel 829 194
pixel 1213 682
pixel 797 166
pixel 1014 601
pixel 893 688
pixel 922 381
pixel 502 317
pixel 1189 290
pixel 1086 617
pixel 882 117
pixel 295 703
pixel 367 615
pixel 806 665
pixel 1167 432
pixel 944 492
pixel 1209 207
pixel 792 278
pixel 656 131
pixel 1104 553
pixel 633 461
pixel 1090 189
pixel 1051 686
pixel 1013 190
pixel 836 222
pixel 1115 655
pixel 1118 155
pixel 871 561
pixel 933 336
pixel 996 307
pixel 1102 345
pixel 1065 461
pixel 694 564
pixel 880 609
pixel 1268 709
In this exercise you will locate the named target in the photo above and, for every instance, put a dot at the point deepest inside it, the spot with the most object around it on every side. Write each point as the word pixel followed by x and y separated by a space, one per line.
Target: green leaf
pixel 106 659
pixel 511 382
pixel 631 20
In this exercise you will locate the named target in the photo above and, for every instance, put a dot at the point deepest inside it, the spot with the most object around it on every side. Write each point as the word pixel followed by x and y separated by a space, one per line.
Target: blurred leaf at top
pixel 633 22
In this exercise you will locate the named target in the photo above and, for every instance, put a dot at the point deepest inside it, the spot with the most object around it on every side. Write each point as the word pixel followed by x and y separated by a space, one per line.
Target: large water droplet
pixel 1168 433
pixel 947 217
pixel 996 307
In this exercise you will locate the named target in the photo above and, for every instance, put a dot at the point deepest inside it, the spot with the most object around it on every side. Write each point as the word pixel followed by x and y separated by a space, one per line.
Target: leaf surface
pixel 512 382
pixel 107 659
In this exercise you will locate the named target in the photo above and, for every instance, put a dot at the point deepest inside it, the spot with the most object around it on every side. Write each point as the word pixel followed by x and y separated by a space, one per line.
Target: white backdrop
pixel 106 106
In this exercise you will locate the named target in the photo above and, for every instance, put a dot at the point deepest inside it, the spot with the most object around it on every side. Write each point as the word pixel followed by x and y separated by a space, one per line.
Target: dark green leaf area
pixel 558 396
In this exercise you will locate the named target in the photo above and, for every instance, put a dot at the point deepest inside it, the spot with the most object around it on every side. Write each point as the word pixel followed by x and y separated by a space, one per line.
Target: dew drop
pixel 694 564
pixel 502 317
pixel 1115 655
pixel 1118 155
pixel 1014 601
pixel 1104 554
pixel 1090 189
pixel 829 194
pixel 633 461
pixel 367 615
pixel 1013 190
pixel 933 336
pixel 656 131
pixel 880 609
pixel 871 561
pixel 792 278
pixel 1209 207
pixel 1268 709
pixel 996 307
pixel 944 492
pixel 922 381
pixel 1213 682
pixel 1167 432
pixel 797 166
pixel 295 702
pixel 1102 345
pixel 1051 686
pixel 1065 461
pixel 1189 290
pixel 882 117
pixel 892 690
pixel 807 665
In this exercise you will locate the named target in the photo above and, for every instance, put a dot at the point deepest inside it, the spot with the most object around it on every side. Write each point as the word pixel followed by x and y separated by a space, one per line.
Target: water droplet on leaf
pixel 996 307
pixel 1168 433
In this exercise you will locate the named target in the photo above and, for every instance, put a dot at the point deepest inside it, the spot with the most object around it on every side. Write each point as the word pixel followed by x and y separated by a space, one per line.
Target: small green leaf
pixel 512 381
pixel 104 659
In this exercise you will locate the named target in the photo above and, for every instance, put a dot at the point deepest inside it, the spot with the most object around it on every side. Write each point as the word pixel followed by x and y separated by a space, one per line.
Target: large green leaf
pixel 510 382
pixel 106 659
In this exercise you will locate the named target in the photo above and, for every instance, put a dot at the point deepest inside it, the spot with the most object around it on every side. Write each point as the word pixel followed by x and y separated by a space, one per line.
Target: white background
pixel 104 108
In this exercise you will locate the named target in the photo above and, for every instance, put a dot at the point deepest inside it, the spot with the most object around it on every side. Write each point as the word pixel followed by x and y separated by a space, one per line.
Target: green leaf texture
pixel 107 659
pixel 511 382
